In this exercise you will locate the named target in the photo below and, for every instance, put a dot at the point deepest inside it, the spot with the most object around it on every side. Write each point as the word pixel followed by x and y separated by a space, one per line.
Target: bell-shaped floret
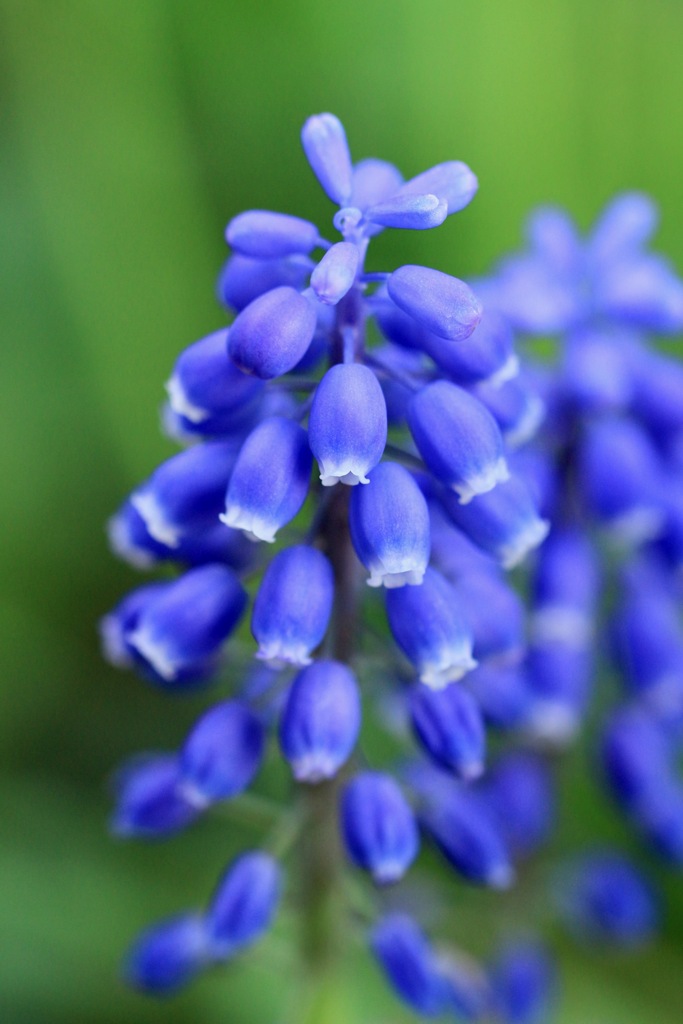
pixel 151 801
pixel 516 406
pixel 205 383
pixel 244 904
pixel 293 605
pixel 449 725
pixel 489 356
pixel 327 151
pixel 495 615
pixel 185 492
pixel 379 828
pixel 264 235
pixel 243 279
pixel 504 522
pixel 443 304
pixel 409 963
pixel 320 720
pixel 389 522
pixel 469 836
pixel 566 588
pixel 168 955
pixel 430 628
pixel 606 898
pixel 347 428
pixel 189 621
pixel 620 479
pixel 458 439
pixel 519 791
pixel 271 335
pixel 121 621
pixel 223 752
pixel 523 983
pixel 416 212
pixel 270 479
pixel 560 679
pixel 336 272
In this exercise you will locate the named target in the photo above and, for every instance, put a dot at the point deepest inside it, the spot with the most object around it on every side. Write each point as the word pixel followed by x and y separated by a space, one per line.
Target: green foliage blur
pixel 132 130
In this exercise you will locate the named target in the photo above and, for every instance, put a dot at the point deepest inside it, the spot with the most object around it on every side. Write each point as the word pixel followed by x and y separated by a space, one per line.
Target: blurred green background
pixel 132 130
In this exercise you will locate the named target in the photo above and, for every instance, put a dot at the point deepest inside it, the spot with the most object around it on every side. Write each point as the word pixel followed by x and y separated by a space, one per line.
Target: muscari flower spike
pixel 457 459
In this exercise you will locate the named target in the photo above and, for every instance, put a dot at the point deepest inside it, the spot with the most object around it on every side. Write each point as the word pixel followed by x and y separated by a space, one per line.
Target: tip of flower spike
pixel 497 473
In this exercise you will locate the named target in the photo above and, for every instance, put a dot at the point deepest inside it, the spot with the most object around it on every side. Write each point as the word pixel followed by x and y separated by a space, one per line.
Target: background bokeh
pixel 131 132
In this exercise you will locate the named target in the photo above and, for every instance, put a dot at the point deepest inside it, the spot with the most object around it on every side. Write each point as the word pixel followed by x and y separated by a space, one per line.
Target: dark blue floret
pixel 379 827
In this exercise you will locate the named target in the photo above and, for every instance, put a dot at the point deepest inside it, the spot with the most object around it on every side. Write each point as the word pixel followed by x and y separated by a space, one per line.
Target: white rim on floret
pixel 525 428
pixel 496 473
pixel 637 526
pixel 450 667
pixel 314 767
pixel 349 472
pixel 556 623
pixel 153 652
pixel 280 653
pixel 122 545
pixel 553 722
pixel 252 526
pixel 380 577
pixel 181 404
pixel 390 871
pixel 113 643
pixel 155 519
pixel 508 371
pixel 526 540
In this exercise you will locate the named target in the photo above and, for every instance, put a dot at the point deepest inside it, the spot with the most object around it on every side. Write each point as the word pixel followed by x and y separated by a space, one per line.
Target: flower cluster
pixel 410 403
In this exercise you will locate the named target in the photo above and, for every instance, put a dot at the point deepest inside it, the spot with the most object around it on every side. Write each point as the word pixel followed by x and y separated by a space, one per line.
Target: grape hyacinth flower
pixel 378 426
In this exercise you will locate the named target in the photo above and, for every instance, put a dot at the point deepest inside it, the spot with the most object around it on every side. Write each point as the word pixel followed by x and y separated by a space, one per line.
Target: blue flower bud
pixel 293 605
pixel 495 615
pixel 271 335
pixel 409 963
pixel 205 383
pixel 151 801
pixel 430 629
pixel 270 479
pixel 517 408
pixel 619 473
pixel 458 439
pixel 523 982
pixel 244 904
pixel 336 272
pixel 488 357
pixel 453 182
pixel 121 621
pixel 389 522
pixel 347 427
pixel 647 642
pixel 636 758
pixel 605 898
pixel 443 304
pixel 264 235
pixel 416 212
pixel 520 793
pixel 379 828
pixel 449 726
pixel 320 720
pixel 243 279
pixel 397 326
pixel 223 752
pixel 187 624
pixel 185 492
pixel 168 955
pixel 503 522
pixel 566 588
pixel 470 838
pixel 560 678
pixel 372 181
pixel 327 151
